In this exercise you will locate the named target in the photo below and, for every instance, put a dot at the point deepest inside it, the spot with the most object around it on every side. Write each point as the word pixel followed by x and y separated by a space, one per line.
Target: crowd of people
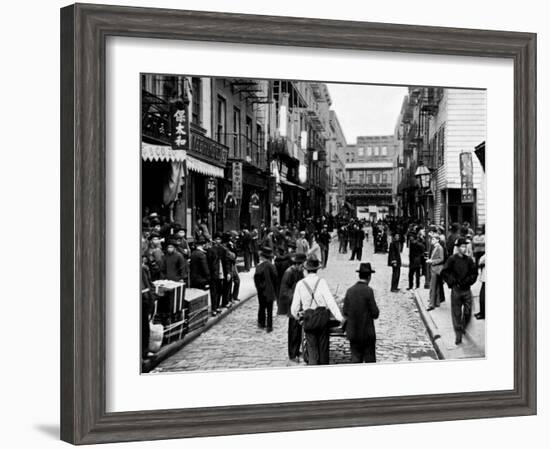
pixel 287 260
pixel 456 258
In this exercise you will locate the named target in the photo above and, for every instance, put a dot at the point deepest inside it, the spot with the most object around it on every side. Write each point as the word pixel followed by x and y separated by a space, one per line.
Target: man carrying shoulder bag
pixel 313 296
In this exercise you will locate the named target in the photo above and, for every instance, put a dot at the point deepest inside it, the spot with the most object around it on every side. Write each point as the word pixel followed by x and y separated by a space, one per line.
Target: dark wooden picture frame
pixel 84 29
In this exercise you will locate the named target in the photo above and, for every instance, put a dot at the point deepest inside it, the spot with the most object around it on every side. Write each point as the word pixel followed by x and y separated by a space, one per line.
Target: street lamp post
pixel 424 177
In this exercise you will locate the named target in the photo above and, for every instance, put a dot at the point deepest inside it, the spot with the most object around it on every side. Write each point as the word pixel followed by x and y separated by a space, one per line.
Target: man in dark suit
pixel 360 311
pixel 357 242
pixel 416 252
pixel 394 261
pixel 217 266
pixel 200 274
pixel 265 280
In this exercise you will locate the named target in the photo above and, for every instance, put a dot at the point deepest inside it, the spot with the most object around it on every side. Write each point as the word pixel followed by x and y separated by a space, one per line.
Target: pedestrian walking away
pixel 312 295
pixel 265 279
pixel 360 311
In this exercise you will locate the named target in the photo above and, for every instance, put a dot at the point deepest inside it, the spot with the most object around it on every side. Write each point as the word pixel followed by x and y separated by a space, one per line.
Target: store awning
pixel 164 153
pixel 288 183
pixel 204 168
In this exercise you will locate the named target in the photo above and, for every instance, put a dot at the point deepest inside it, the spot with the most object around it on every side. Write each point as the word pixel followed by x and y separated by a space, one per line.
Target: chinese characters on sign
pixel 466 178
pixel 211 192
pixel 180 126
pixel 237 180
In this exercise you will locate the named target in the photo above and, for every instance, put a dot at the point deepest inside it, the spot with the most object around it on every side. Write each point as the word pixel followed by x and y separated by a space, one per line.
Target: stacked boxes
pixel 169 309
pixel 196 308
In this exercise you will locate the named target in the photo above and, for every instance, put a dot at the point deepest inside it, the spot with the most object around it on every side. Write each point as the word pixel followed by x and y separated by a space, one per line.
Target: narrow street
pixel 237 343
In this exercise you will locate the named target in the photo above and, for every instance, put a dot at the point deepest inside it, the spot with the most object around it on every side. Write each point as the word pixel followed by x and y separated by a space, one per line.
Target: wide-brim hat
pixel 365 268
pixel 298 258
pixel 266 251
pixel 312 263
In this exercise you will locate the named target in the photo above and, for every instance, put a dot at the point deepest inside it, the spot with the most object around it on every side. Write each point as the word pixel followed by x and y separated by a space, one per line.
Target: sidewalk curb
pixel 431 327
pixel 171 348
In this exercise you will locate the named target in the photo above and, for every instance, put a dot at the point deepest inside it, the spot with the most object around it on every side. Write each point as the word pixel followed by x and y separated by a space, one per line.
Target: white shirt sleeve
pixel 296 301
pixel 324 291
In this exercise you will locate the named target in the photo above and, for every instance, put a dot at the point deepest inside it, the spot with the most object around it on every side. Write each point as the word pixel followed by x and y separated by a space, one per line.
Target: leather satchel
pixel 315 320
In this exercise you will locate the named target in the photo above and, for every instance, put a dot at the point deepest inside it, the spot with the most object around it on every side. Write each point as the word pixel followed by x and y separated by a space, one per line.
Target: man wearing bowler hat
pixel 292 275
pixel 460 273
pixel 265 280
pixel 311 293
pixel 360 311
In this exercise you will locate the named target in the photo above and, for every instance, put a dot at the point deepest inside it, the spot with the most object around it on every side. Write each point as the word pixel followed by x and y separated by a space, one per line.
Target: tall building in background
pixel 370 174
pixel 336 147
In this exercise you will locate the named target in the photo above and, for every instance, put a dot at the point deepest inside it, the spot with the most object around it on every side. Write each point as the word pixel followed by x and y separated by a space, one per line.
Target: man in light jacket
pixel 436 261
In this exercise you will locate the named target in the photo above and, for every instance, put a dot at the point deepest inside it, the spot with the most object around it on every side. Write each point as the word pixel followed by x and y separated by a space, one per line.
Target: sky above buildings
pixel 366 110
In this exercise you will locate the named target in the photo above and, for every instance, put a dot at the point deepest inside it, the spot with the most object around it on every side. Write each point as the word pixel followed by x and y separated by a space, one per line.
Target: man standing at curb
pixel 360 311
pixel 217 266
pixel 435 262
pixel 394 261
pixel 265 280
pixel 460 273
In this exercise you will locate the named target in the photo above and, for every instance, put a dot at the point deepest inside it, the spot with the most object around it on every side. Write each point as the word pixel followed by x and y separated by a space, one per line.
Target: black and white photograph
pixel 289 223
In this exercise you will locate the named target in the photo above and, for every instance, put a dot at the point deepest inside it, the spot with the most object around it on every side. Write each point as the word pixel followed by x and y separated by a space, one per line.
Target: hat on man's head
pixel 153 235
pixel 217 235
pixel 312 263
pixel 298 258
pixel 292 244
pixel 365 268
pixel 200 240
pixel 461 241
pixel 172 242
pixel 266 251
pixel 226 237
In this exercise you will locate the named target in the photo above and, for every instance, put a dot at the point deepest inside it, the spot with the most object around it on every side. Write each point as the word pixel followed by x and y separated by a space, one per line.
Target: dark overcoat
pixel 200 274
pixel 288 283
pixel 394 253
pixel 265 280
pixel 416 254
pixel 360 311
pixel 216 257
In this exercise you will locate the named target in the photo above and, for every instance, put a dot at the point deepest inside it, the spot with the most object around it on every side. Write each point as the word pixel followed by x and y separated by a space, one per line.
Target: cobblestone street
pixel 237 343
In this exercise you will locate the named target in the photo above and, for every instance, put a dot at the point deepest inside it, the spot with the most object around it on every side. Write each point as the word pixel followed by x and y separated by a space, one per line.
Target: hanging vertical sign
pixel 466 177
pixel 179 125
pixel 211 193
pixel 237 187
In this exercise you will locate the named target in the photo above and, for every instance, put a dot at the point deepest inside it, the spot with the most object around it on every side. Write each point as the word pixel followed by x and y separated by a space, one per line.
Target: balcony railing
pixel 245 149
pixel 155 118
pixel 156 126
